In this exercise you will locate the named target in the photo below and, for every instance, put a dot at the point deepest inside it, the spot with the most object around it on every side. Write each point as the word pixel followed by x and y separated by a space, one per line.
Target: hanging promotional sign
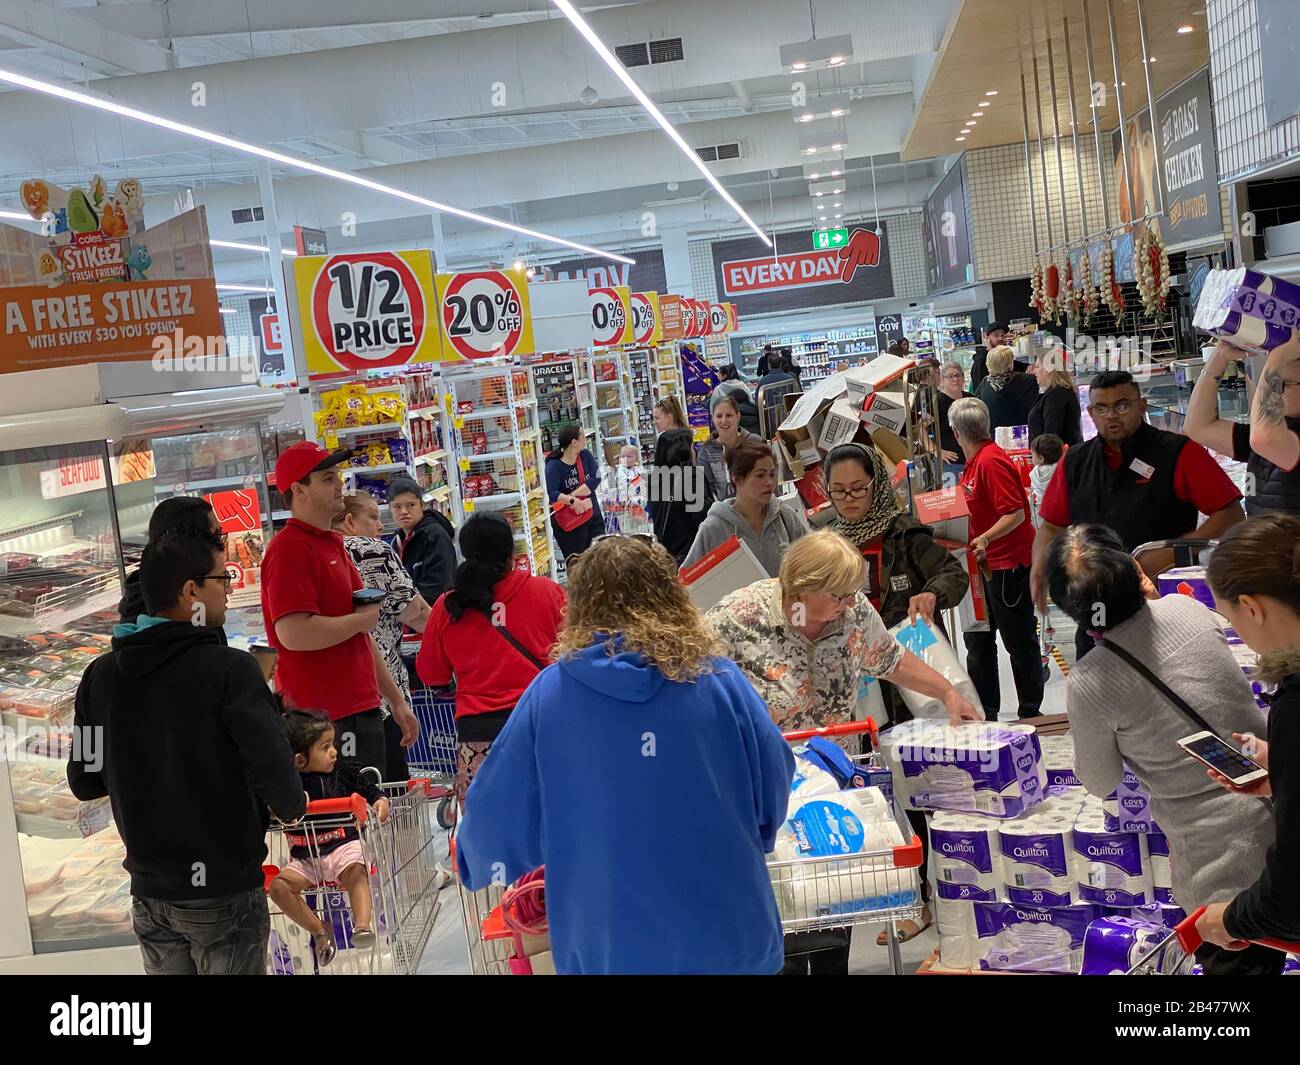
pixel 79 291
pixel 241 520
pixel 733 317
pixel 486 313
pixel 672 317
pixel 611 316
pixel 717 318
pixel 646 326
pixel 701 308
pixel 366 310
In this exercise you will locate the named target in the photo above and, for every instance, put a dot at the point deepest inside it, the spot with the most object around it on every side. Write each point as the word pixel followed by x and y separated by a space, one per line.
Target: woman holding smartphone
pixel 1255 575
pixel 1119 718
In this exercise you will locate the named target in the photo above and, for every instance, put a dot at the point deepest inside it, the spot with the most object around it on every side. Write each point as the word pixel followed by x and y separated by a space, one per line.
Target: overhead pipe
pixel 1056 136
pixel 1074 128
pixel 1029 168
pixel 1119 105
pixel 1096 126
pixel 1151 110
pixel 1042 154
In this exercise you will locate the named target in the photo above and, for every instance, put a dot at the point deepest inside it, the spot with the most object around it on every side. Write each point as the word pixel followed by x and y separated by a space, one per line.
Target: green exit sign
pixel 829 238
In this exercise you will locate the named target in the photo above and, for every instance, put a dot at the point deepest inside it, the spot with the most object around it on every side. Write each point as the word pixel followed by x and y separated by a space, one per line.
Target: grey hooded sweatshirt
pixel 783 525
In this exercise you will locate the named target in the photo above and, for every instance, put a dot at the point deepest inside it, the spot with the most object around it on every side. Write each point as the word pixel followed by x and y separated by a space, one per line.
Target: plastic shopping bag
pixel 930 646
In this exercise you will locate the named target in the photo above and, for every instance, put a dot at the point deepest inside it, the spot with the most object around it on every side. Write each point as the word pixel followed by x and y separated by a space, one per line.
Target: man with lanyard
pixel 326 658
pixel 1145 483
pixel 1270 444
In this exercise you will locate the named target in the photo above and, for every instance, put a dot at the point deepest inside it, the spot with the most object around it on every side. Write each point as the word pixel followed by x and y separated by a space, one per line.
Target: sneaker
pixel 362 938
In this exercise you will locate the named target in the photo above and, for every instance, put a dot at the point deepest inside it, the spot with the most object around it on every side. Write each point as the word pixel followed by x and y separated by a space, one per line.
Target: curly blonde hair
pixel 626 587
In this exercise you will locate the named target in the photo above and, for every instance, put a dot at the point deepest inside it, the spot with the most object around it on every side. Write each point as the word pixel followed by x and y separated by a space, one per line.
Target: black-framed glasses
pixel 225 577
pixel 1122 407
pixel 841 494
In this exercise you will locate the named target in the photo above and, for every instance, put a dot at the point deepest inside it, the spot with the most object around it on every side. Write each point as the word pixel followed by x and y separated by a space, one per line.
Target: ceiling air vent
pixel 633 55
pixel 668 50
pixel 729 151
pixel 247 214
pixel 708 153
pixel 713 153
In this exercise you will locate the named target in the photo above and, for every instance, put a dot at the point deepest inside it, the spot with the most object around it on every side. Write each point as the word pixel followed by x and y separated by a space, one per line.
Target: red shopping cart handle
pixel 1189 938
pixel 354 804
pixel 849 728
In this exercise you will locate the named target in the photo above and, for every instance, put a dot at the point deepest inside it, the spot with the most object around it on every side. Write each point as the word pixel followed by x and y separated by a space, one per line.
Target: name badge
pixel 900 582
pixel 1142 469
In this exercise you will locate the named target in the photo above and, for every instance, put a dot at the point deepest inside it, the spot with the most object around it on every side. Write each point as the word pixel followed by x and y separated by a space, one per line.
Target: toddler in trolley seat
pixel 326 855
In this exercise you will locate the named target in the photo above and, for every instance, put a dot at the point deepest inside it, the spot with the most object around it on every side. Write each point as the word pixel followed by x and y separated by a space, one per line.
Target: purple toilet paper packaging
pixel 1038 864
pixel 964 859
pixel 1112 867
pixel 990 769
pixel 1128 807
pixel 1114 944
pixel 1158 861
pixel 1031 939
pixel 1248 309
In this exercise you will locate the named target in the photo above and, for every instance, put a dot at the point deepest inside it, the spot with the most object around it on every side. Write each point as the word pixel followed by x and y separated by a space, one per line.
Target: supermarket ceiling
pixel 492 105
pixel 991 44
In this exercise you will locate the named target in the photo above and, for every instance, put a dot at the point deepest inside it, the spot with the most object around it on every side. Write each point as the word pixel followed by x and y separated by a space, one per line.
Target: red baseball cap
pixel 305 457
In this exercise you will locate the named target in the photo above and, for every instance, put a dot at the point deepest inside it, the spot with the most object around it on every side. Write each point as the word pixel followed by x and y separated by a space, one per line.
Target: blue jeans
pixel 225 936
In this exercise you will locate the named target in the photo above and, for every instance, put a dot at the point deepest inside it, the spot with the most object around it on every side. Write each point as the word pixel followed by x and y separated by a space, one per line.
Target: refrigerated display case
pixel 78 487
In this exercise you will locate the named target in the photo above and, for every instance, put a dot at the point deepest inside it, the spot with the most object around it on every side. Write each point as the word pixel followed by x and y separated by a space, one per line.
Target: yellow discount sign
pixel 611 316
pixel 485 313
pixel 367 310
pixel 646 327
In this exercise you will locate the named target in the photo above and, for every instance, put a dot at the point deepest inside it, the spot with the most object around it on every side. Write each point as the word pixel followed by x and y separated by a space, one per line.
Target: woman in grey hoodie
pixel 762 522
pixel 1217 842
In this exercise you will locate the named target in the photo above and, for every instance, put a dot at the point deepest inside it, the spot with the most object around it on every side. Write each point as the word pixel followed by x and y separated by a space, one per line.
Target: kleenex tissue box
pixel 986 768
pixel 1248 309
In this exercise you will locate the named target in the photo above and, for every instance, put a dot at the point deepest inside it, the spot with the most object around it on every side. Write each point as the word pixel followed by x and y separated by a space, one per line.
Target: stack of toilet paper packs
pixel 834 852
pixel 1248 309
pixel 1019 893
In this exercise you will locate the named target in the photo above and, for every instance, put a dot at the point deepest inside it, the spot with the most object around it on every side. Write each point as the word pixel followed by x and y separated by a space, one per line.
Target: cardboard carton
pixel 886 410
pixel 729 566
pixel 891 445
pixel 861 381
pixel 946 512
pixel 840 424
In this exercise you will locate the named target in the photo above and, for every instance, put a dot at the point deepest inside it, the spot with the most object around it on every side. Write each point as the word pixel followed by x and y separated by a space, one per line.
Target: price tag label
pixel 486 313
pixel 469 506
pixel 446 401
pixel 464 465
pixel 458 422
pixel 611 316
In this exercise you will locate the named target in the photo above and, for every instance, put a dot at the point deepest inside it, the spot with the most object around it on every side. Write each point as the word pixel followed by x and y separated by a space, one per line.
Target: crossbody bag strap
pixel 1159 685
pixel 510 639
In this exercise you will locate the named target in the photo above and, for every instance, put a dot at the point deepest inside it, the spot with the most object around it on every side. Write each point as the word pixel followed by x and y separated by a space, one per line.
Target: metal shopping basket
pixel 870 887
pixel 1174 954
pixel 404 882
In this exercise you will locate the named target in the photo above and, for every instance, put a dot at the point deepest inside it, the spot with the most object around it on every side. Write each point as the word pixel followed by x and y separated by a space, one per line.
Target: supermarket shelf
pixel 503 499
pixel 426 413
pixel 387 467
pixel 215 482
pixel 612 410
pixel 13 625
pixel 444 492
pixel 491 456
pixel 281 515
pixel 497 412
pixel 432 456
pixel 361 430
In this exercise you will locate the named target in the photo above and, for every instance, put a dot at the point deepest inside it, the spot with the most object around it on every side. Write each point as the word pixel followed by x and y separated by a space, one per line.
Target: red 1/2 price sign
pixel 611 316
pixel 486 313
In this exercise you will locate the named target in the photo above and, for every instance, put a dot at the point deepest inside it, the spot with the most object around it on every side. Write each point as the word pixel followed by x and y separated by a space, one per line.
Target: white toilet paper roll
pixel 1112 867
pixel 955 924
pixel 965 862
pixel 1038 863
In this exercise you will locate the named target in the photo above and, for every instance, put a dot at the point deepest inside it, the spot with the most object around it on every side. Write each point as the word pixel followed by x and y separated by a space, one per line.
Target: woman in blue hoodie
pixel 644 772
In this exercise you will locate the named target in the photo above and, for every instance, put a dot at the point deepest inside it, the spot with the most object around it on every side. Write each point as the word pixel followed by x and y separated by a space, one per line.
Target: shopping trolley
pixel 1174 953
pixel 404 881
pixel 870 887
pixel 432 756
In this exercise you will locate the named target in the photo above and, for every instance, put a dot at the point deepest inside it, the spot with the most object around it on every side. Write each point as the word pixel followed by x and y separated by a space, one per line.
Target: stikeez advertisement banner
pixel 646 326
pixel 94 285
pixel 611 316
pixel 748 274
pixel 366 310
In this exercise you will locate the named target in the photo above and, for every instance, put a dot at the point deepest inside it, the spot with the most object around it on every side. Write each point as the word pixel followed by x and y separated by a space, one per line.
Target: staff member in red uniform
pixel 1002 537
pixel 327 660
pixel 1145 483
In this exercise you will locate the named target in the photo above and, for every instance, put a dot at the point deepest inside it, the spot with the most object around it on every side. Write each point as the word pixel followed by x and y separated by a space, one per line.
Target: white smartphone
pixel 1222 758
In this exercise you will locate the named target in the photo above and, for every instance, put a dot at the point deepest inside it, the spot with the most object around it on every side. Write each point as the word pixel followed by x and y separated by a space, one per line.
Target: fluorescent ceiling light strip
pixel 620 72
pixel 223 287
pixel 85 99
pixel 239 245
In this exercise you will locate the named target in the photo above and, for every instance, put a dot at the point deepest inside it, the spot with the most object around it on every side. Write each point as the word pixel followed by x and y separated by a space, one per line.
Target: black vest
pixel 1275 490
pixel 1139 512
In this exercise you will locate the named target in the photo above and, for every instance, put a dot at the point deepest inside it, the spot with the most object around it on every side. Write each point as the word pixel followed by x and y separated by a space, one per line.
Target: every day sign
pixel 748 274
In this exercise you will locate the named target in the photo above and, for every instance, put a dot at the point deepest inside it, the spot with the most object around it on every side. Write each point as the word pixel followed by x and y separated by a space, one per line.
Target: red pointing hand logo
pixel 863 249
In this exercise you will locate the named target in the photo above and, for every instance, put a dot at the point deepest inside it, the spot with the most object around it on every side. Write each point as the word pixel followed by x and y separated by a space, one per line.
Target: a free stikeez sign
pixel 486 313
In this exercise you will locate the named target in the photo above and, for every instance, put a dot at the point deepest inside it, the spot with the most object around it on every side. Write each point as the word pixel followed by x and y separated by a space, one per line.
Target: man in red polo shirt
pixel 327 660
pixel 1002 538
pixel 1147 484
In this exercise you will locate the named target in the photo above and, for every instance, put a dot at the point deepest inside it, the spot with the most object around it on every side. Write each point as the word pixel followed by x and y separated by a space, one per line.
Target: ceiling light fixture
pixel 239 245
pixel 836 173
pixel 620 72
pixel 961 138
pixel 835 61
pixel 1186 29
pixel 798 66
pixel 814 176
pixel 227 310
pixel 985 103
pixel 976 114
pixel 837 146
pixel 991 92
pixel 18 216
pixel 806 117
pixel 75 96
pixel 244 288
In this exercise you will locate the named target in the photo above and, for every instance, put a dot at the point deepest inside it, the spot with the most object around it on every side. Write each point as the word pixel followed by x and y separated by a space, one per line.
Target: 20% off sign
pixel 485 313
pixel 611 316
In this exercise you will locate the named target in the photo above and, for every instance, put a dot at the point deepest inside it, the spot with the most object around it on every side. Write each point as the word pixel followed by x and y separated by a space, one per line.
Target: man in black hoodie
pixel 427 541
pixel 183 736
